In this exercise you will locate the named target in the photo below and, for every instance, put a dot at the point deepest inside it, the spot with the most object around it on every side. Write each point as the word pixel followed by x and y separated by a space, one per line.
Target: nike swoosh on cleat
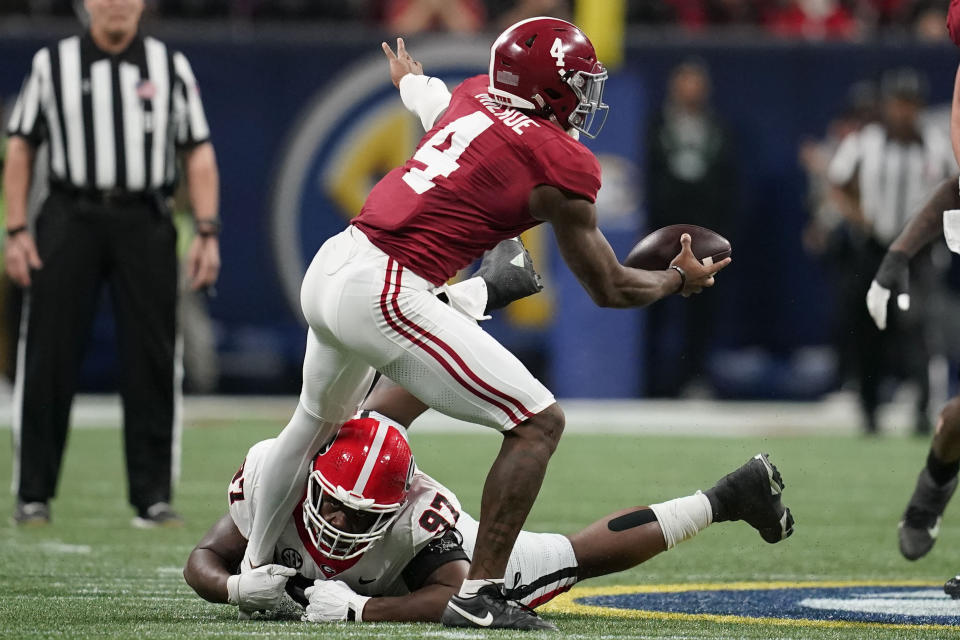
pixel 481 622
pixel 362 581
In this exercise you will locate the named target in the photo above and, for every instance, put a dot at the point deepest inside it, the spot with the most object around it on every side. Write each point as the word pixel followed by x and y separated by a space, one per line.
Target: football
pixel 658 248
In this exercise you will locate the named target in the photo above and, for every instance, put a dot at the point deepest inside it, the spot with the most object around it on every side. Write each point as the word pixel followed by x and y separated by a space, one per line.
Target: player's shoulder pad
pixel 567 164
pixel 472 86
pixel 432 509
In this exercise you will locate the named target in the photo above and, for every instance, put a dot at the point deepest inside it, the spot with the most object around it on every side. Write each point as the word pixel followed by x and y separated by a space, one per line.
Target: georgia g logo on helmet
pixel 549 66
pixel 366 469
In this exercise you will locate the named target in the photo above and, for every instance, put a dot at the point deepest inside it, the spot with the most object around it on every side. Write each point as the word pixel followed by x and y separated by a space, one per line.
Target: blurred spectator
pixel 882 173
pixel 813 20
pixel 504 13
pixel 826 236
pixel 690 179
pixel 412 16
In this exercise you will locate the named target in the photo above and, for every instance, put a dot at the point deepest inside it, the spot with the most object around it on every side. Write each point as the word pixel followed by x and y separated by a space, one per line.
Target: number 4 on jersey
pixel 440 153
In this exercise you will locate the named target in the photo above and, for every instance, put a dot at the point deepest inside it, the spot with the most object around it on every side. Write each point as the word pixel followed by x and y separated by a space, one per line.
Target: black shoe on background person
pixel 159 514
pixel 31 514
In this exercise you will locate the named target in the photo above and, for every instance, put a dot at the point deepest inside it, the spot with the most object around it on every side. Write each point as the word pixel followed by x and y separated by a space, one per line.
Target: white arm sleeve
pixel 425 96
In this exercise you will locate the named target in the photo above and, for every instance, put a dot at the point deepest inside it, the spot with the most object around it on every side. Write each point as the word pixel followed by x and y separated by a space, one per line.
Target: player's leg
pixel 334 382
pixel 543 565
pixel 452 365
pixel 936 483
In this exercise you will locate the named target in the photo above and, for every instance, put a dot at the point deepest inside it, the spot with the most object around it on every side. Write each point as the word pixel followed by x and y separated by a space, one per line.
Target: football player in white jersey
pixel 376 539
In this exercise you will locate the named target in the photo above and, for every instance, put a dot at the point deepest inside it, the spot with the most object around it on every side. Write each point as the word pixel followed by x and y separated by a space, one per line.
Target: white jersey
pixel 431 509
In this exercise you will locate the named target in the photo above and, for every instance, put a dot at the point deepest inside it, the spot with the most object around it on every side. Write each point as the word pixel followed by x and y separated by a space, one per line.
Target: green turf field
pixel 90 575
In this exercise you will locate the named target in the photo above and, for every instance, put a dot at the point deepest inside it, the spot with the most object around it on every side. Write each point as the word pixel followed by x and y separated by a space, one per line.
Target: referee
pixel 882 173
pixel 114 108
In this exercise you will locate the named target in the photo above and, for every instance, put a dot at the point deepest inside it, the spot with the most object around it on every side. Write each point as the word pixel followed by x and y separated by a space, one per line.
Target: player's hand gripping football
pixel 258 589
pixel 333 601
pixel 893 277
pixel 401 63
pixel 696 275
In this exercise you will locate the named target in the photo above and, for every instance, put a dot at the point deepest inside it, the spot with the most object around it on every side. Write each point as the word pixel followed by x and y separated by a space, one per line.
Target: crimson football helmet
pixel 549 66
pixel 367 468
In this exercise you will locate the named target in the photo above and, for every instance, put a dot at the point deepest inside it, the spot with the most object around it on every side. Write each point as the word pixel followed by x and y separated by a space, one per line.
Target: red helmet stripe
pixel 372 456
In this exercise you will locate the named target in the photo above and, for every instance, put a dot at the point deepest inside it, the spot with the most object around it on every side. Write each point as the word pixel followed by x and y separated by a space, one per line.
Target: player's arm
pixel 426 604
pixel 214 559
pixel 927 225
pixel 425 96
pixel 211 565
pixel 893 275
pixel 432 577
pixel 592 260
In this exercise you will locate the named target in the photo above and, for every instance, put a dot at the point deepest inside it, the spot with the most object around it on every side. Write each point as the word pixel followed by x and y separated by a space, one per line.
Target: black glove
pixel 508 271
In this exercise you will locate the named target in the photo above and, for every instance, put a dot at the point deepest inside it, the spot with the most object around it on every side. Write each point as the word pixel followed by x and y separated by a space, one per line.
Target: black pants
pixel 131 247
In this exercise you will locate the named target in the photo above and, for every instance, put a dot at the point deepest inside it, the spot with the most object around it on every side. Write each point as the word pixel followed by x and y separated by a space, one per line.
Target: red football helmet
pixel 367 468
pixel 549 66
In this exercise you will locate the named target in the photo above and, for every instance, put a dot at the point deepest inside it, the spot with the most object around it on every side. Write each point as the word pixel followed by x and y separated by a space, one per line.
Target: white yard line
pixel 837 414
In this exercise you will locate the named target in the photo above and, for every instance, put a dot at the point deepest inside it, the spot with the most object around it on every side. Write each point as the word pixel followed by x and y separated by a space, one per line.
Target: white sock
pixel 281 481
pixel 682 518
pixel 469 588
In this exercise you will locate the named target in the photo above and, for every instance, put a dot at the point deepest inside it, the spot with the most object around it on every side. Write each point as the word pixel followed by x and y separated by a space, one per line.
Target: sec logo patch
pixel 291 558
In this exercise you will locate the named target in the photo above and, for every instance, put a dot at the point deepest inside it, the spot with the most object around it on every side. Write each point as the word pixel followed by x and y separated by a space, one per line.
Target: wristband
pixel 683 277
pixel 207 227
pixel 355 608
pixel 233 590
pixel 12 231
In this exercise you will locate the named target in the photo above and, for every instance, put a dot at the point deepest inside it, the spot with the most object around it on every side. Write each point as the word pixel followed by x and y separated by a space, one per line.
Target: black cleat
pixel 490 609
pixel 920 524
pixel 31 514
pixel 952 587
pixel 752 494
pixel 508 271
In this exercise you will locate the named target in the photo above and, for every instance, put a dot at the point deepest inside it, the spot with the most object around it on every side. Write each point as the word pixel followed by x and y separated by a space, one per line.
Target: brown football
pixel 658 248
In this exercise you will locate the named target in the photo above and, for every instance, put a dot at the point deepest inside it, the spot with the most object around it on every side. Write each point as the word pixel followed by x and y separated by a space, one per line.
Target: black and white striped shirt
pixel 894 177
pixel 111 121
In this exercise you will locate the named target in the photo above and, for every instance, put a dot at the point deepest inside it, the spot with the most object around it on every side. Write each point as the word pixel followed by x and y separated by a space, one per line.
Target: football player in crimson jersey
pixel 376 539
pixel 939 217
pixel 498 158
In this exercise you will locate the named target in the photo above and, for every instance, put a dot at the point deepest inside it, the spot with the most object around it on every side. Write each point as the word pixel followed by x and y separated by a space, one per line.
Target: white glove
pixel 333 601
pixel 877 298
pixel 258 589
pixel 951 229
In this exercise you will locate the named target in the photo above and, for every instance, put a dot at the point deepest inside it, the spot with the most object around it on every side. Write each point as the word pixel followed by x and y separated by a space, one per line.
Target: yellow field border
pixel 566 603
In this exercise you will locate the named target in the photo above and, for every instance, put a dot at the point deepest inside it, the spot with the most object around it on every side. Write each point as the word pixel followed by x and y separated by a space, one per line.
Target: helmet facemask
pixel 588 87
pixel 332 541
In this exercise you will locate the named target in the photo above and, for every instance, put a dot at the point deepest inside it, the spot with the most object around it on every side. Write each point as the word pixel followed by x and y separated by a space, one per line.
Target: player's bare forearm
pixel 591 258
pixel 927 225
pixel 426 604
pixel 203 181
pixel 213 560
pixel 17 171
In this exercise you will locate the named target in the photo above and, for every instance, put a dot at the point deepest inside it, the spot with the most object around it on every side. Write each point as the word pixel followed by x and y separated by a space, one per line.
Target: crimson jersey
pixel 468 185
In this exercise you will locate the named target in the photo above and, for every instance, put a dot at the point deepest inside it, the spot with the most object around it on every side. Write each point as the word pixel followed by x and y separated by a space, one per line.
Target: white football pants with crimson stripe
pixel 366 312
